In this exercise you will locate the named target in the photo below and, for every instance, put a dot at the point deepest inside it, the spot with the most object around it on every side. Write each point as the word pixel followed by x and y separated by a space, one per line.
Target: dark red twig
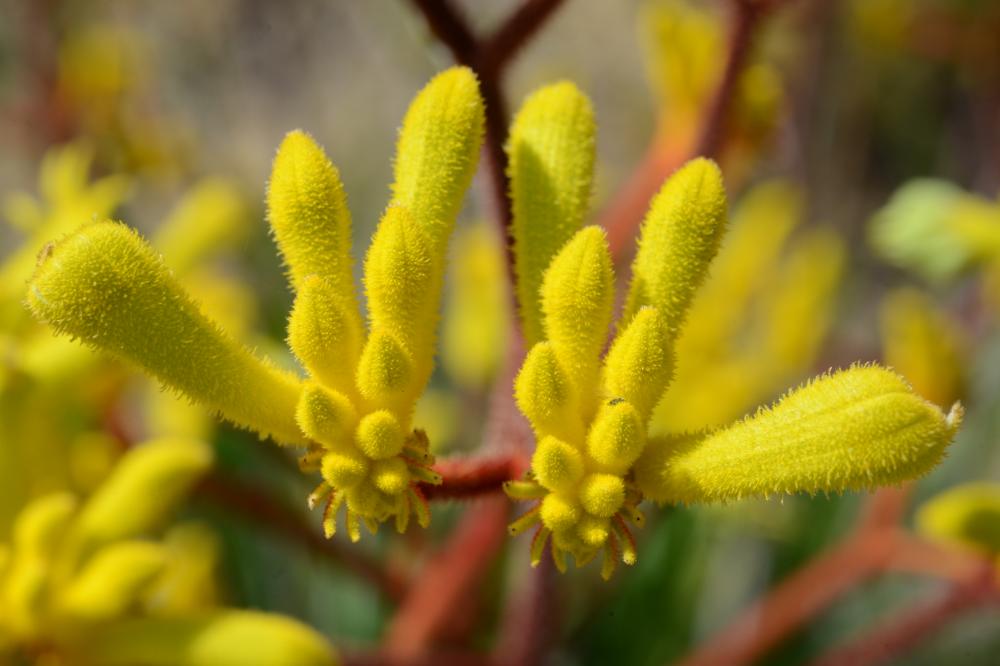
pixel 448 579
pixel 905 629
pixel 249 503
pixel 746 17
pixel 465 478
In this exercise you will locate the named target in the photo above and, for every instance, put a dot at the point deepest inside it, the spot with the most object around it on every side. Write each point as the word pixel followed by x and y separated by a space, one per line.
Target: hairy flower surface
pixel 354 413
pixel 595 459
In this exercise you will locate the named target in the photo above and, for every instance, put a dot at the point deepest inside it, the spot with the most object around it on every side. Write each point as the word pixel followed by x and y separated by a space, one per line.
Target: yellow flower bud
pixel 105 285
pixel 437 152
pixel 577 297
pixel 559 513
pixel 853 429
pixel 402 280
pixel 556 464
pixel 325 416
pixel 345 468
pixel 640 364
pixel 112 581
pixel 617 436
pixel 385 371
pixel 679 238
pixel 325 333
pixel 602 494
pixel 379 435
pixel 545 396
pixel 391 475
pixel 228 638
pixel 144 488
pixel 308 213
pixel 593 530
pixel 551 150
pixel 968 515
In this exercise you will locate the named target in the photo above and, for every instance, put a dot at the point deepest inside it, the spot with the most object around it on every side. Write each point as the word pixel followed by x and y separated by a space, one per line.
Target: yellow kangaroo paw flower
pixel 106 286
pixel 551 151
pixel 854 429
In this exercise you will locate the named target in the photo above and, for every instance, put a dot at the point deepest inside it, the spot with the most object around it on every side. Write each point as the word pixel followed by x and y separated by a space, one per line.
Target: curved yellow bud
pixel 402 280
pixel 556 464
pixel 616 437
pixel 379 435
pixel 923 345
pixel 144 488
pixel 385 371
pixel 438 150
pixel 308 213
pixel 602 495
pixel 345 468
pixel 324 415
pixel 679 238
pixel 212 214
pixel 559 513
pixel 577 297
pixel 106 286
pixel 112 581
pixel 229 638
pixel 850 430
pixel 640 364
pixel 40 526
pixel 391 475
pixel 544 394
pixel 551 151
pixel 325 333
pixel 968 515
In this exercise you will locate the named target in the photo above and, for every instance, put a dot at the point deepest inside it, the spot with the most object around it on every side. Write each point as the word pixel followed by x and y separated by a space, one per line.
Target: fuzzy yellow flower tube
pixel 354 412
pixel 595 459
pixel 108 287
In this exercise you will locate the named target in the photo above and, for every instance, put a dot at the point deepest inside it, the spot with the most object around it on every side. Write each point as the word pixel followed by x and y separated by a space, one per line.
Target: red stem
pixel 464 478
pixel 906 629
pixel 448 579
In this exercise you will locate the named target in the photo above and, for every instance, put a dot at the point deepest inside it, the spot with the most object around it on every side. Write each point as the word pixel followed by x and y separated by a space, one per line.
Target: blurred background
pixel 862 157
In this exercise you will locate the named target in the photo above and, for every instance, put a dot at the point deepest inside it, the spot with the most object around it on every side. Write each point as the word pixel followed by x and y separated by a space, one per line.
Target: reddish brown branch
pixel 746 17
pixel 500 48
pixel 448 580
pixel 788 605
pixel 877 546
pixel 249 503
pixel 908 628
pixel 464 478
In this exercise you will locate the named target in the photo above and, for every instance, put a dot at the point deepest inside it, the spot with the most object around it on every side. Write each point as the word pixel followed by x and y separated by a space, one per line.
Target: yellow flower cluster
pixel 595 460
pixel 105 285
pixel 77 580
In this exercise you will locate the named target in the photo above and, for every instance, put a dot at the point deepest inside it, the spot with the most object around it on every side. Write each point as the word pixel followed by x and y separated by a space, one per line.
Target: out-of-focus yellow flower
pixel 683 40
pixel 67 198
pixel 923 345
pixel 967 515
pixel 477 311
pixel 760 317
pixel 595 458
pixel 105 285
pixel 85 583
pixel 936 229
